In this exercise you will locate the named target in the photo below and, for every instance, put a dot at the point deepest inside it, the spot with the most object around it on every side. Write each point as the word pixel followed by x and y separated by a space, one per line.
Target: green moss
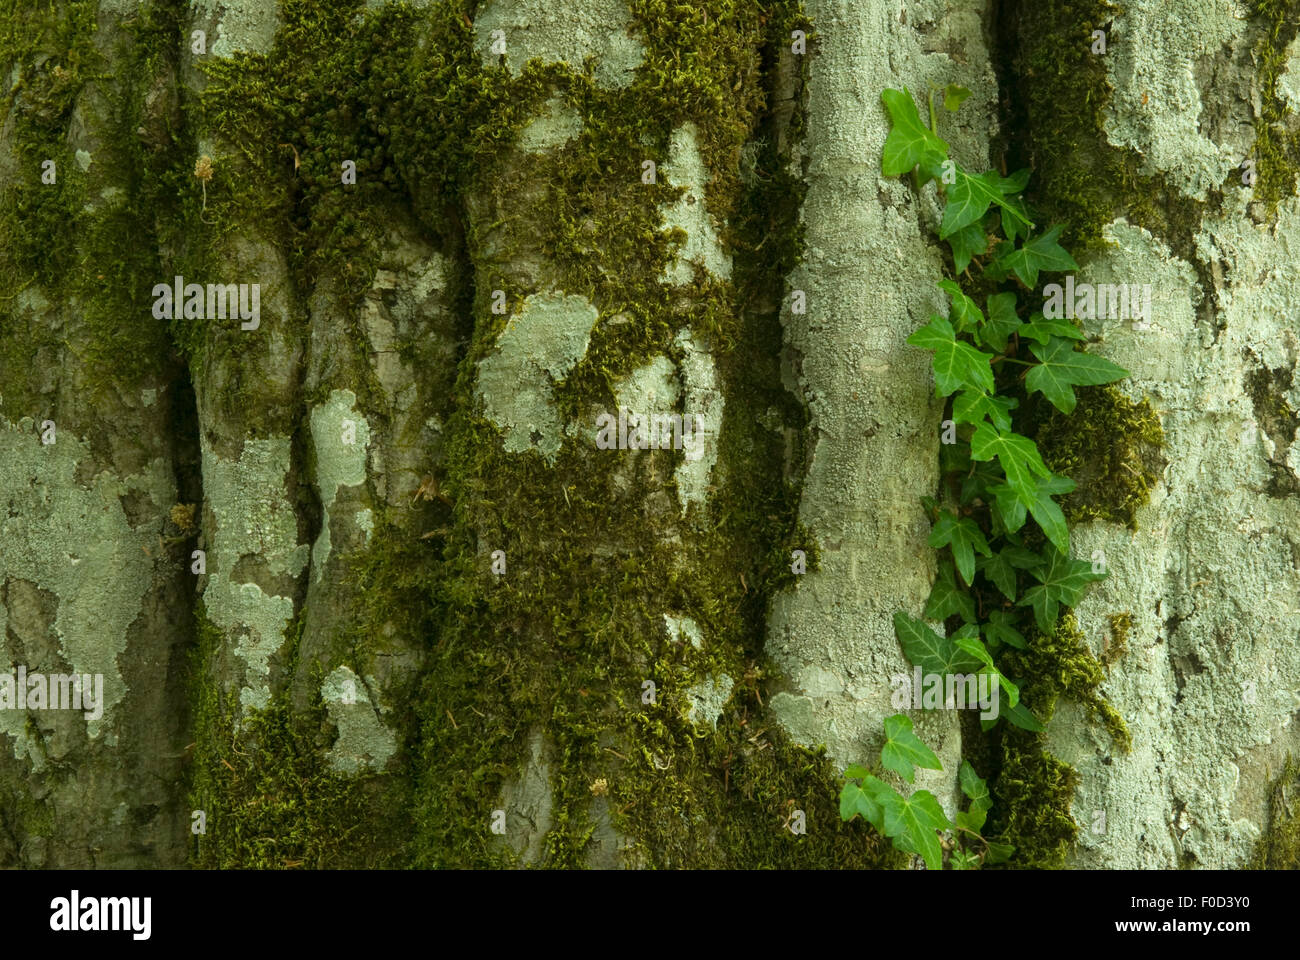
pixel 267 792
pixel 1121 624
pixel 1279 847
pixel 1110 446
pixel 1032 798
pixel 77 245
pixel 1277 141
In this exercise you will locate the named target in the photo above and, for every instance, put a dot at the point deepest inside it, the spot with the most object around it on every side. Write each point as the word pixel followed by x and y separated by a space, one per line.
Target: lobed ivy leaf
pixel 1062 582
pixel 965 314
pixel 904 750
pixel 967 243
pixel 999 852
pixel 1041 253
pixel 855 801
pixel 948 597
pixel 999 571
pixel 1042 329
pixel 980 801
pixel 1019 715
pixel 954 96
pixel 999 630
pixel 964 537
pixel 910 142
pixel 1063 368
pixel 1002 321
pixel 956 364
pixel 1048 514
pixel 912 822
pixel 969 198
pixel 971 406
pixel 856 771
pixel 976 649
pixel 976 484
pixel 926 649
pixel 1017 455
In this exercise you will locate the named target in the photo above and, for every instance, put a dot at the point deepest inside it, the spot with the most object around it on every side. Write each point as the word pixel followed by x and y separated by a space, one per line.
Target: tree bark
pixel 379 575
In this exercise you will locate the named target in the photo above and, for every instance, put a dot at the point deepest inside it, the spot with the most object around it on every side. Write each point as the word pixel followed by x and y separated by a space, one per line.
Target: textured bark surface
pixel 433 621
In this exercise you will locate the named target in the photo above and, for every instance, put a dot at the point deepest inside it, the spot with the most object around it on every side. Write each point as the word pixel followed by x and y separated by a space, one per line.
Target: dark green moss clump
pixel 269 797
pixel 1279 848
pixel 1277 140
pixel 1032 797
pixel 1110 447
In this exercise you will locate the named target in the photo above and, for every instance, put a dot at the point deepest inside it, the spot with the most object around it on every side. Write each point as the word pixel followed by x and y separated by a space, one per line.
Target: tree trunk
pixel 384 572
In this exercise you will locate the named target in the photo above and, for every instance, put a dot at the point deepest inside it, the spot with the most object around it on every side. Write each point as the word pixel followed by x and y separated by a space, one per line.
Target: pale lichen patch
pixel 341 438
pixel 531 29
pixel 686 169
pixel 364 742
pixel 538 347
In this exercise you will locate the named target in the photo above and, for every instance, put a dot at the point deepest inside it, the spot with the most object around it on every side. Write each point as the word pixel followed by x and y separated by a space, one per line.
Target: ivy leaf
pixel 980 801
pixel 910 142
pixel 1015 184
pixel 1015 218
pixel 1011 510
pixel 904 750
pixel 971 406
pixel 967 243
pixel 1062 581
pixel 1042 329
pixel 999 630
pixel 1048 514
pixel 856 772
pixel 976 649
pixel 1041 253
pixel 1000 572
pixel 1019 715
pixel 1017 455
pixel 1062 367
pixel 956 364
pixel 963 536
pixel 948 597
pixel 1002 321
pixel 954 96
pixel 965 314
pixel 854 801
pixel 926 649
pixel 999 852
pixel 969 198
pixel 979 479
pixel 911 823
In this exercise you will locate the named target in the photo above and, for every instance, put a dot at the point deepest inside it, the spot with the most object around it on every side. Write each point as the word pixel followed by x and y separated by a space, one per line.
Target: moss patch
pixel 1110 446
pixel 1267 390
pixel 1279 847
pixel 1277 140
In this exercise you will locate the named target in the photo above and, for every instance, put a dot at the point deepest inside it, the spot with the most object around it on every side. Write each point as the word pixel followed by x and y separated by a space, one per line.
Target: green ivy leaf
pixel 969 198
pixel 910 142
pixel 1062 367
pixel 948 597
pixel 956 364
pixel 904 750
pixel 965 314
pixel 971 406
pixel 1041 329
pixel 964 537
pixel 980 801
pixel 911 823
pixel 967 243
pixel 855 801
pixel 1019 715
pixel 1049 515
pixel 926 649
pixel 1062 581
pixel 1002 321
pixel 954 96
pixel 1017 455
pixel 999 571
pixel 999 852
pixel 1041 253
pixel 1000 629
pixel 856 772
pixel 976 649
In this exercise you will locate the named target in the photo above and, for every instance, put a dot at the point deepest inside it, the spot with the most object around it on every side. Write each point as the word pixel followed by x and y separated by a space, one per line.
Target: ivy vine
pixel 996 570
